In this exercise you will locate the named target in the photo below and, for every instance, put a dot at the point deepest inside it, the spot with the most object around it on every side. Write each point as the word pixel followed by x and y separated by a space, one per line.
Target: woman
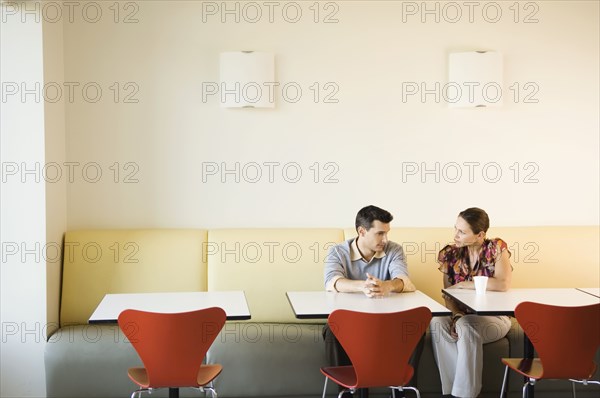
pixel 458 340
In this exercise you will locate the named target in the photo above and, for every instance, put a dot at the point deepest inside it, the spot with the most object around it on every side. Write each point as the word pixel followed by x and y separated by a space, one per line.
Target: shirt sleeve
pixel 500 247
pixel 334 268
pixel 444 258
pixel 408 285
pixel 399 268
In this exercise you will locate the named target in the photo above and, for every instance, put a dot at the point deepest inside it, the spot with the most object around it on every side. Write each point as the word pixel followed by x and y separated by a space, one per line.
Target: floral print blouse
pixel 455 263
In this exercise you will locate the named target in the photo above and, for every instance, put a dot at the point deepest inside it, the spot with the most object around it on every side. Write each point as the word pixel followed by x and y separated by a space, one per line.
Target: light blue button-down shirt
pixel 345 261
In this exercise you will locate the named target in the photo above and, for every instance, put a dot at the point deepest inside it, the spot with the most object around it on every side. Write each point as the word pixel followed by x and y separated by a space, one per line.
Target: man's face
pixel 375 238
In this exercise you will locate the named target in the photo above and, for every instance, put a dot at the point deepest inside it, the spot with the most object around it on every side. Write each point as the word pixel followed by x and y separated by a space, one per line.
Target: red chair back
pixel 565 338
pixel 172 346
pixel 380 345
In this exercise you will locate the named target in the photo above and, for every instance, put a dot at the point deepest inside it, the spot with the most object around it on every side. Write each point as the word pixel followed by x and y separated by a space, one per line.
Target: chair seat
pixel 531 368
pixel 534 369
pixel 139 376
pixel 205 375
pixel 342 375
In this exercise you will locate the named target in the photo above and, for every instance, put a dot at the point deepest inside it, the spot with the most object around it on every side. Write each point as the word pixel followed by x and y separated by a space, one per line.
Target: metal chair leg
pixel 325 388
pixel 525 389
pixel 344 391
pixel 414 389
pixel 140 391
pixel 504 382
pixel 213 392
pixel 527 383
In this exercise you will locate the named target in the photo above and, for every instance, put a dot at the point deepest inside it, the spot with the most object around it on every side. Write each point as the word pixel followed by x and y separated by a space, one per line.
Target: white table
pixel 319 304
pixel 233 303
pixel 504 303
pixel 594 291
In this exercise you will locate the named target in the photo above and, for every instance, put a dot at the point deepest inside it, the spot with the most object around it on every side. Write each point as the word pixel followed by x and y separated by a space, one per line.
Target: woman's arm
pixel 502 278
pixel 451 304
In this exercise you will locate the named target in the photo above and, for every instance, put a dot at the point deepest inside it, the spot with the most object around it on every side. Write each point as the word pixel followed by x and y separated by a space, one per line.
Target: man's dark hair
pixel 368 214
pixel 477 219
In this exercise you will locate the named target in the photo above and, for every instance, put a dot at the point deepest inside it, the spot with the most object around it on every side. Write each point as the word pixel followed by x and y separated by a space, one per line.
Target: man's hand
pixel 375 287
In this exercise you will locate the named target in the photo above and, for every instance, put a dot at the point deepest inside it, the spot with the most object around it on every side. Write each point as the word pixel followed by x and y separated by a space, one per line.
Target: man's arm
pixel 350 286
pixel 377 287
pixel 336 280
pixel 335 274
pixel 399 271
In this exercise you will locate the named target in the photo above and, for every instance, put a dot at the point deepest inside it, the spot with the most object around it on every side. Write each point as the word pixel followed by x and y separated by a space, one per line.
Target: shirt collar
pixel 355 253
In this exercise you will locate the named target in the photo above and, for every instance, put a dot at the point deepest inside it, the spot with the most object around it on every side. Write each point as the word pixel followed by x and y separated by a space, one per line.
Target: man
pixel 370 264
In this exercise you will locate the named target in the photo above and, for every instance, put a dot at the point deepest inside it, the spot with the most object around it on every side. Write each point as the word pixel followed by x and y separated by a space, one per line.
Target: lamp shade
pixel 247 79
pixel 475 79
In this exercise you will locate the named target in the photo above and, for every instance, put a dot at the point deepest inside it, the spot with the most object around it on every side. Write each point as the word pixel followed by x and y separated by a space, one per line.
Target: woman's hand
pixel 455 318
pixel 463 285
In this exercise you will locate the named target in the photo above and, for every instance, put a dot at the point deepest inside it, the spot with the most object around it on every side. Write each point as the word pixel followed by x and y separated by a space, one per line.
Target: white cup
pixel 480 284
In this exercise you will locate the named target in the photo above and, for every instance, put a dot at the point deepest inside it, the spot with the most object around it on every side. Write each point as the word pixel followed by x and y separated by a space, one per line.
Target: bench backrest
pixel 265 263
pixel 97 262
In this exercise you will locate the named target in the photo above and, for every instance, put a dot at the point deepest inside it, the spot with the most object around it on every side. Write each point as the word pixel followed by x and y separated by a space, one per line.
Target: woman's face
pixel 463 234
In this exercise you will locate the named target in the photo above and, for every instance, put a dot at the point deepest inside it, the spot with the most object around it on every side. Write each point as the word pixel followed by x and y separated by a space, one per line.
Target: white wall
pixel 56 187
pixel 23 211
pixel 152 152
pixel 366 139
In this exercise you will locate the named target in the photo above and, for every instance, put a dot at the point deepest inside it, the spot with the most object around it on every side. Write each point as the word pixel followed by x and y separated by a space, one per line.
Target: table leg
pixel 528 352
pixel 173 392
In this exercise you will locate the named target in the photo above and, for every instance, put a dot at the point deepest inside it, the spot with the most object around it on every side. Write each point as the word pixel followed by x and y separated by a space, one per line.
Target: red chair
pixel 379 347
pixel 565 339
pixel 172 347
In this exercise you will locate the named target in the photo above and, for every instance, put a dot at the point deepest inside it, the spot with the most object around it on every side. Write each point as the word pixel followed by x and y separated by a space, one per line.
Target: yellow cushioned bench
pixel 97 262
pixel 273 354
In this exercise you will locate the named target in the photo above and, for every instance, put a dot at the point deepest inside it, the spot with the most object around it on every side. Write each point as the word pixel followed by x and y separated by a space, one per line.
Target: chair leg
pixel 212 390
pixel 504 382
pixel 525 389
pixel 574 393
pixel 412 388
pixel 527 383
pixel 140 391
pixel 325 388
pixel 344 391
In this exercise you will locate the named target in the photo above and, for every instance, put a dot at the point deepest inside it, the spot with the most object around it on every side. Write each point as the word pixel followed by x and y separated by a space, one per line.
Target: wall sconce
pixel 474 79
pixel 247 79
